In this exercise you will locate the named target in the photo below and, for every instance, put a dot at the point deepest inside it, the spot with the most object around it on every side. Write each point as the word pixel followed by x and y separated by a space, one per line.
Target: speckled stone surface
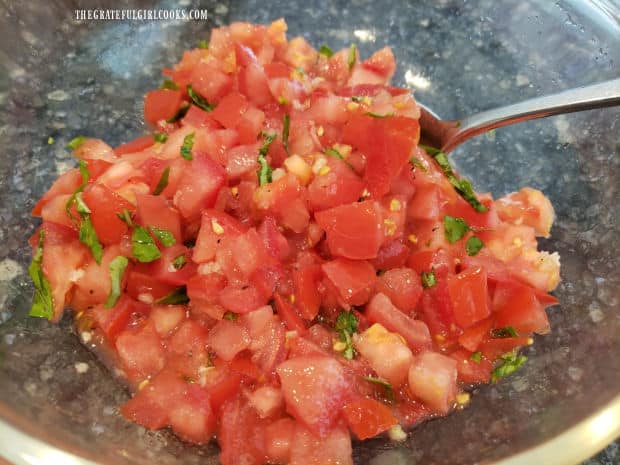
pixel 60 78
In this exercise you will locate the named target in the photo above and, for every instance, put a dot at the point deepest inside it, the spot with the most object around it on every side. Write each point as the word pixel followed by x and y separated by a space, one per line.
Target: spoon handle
pixel 604 94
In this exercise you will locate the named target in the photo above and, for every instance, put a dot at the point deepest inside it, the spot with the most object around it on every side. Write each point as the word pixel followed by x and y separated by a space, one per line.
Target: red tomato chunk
pixel 272 268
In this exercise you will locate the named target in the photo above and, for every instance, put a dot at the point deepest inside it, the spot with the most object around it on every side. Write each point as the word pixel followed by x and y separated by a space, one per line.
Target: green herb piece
pixel 181 112
pixel 80 205
pixel 462 185
pixel 75 143
pixel 428 279
pixel 502 333
pixel 332 152
pixel 169 84
pixel 230 316
pixel 178 296
pixel 50 140
pixel 473 246
pixel 509 364
pixel 179 262
pixel 125 217
pixel 198 99
pixel 163 181
pixel 186 148
pixel 42 300
pixel 163 235
pixel 285 129
pixel 117 270
pixel 160 137
pixel 351 58
pixel 203 44
pixel 416 163
pixel 88 237
pixel 454 228
pixel 357 98
pixel 389 390
pixel 346 325
pixel 326 51
pixel 83 167
pixel 264 172
pixel 476 357
pixel 378 115
pixel 143 246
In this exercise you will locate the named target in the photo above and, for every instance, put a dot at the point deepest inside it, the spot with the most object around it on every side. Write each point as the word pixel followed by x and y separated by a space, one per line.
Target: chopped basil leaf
pixel 75 143
pixel 357 98
pixel 230 316
pixel 389 390
pixel 169 84
pixel 80 205
pixel 378 115
pixel 346 325
pixel 178 296
pixel 473 246
pixel 163 181
pixel 476 357
pixel 417 164
pixel 181 112
pixel 88 237
pixel 326 51
pixel 462 186
pixel 42 300
pixel 198 99
pixel 160 137
pixel 143 246
pixel 186 148
pixel 83 167
pixel 264 172
pixel 125 217
pixel 334 153
pixel 179 262
pixel 428 279
pixel 117 270
pixel 351 58
pixel 502 333
pixel 285 129
pixel 509 364
pixel 454 228
pixel 203 44
pixel 164 236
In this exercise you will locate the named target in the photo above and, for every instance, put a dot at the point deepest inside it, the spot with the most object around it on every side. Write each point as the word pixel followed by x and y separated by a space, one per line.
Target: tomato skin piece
pixel 161 104
pixel 368 417
pixel 314 389
pixel 105 205
pixel 469 295
pixel 353 279
pixel 289 315
pixel 353 230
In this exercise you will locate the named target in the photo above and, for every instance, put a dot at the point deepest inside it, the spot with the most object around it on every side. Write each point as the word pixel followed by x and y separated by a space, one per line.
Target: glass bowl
pixel 61 77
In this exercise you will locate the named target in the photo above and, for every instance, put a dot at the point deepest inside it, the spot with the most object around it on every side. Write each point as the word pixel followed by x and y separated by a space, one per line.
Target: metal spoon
pixel 446 135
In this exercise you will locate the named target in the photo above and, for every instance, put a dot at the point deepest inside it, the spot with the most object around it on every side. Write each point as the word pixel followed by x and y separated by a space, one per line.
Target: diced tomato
pixel 230 110
pixel 516 305
pixel 213 227
pixel 432 378
pixel 210 82
pixel 161 104
pixel 353 230
pixel 66 184
pixel 475 334
pixel 314 389
pixel 241 299
pixel 402 286
pixel 289 315
pixel 266 400
pixel 307 296
pixel 470 370
pixel 227 339
pixel 381 310
pixel 224 390
pixel 278 438
pixel 205 287
pixel 427 203
pixel 167 317
pixel 468 291
pixel 198 118
pixel 354 280
pixel 136 145
pixel 275 242
pixel 340 185
pixel 140 351
pixel 492 348
pixel 241 435
pixel 198 187
pixel 105 206
pixel 143 286
pixel 368 417
pixel 175 265
pixel 392 254
pixel 332 448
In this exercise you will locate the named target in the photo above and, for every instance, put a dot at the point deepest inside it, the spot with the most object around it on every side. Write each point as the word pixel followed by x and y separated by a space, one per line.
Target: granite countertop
pixel 60 78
